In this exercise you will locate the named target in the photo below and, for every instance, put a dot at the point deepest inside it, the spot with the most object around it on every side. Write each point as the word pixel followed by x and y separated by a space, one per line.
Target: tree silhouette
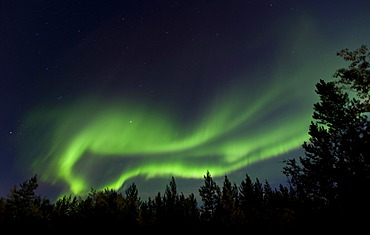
pixel 210 194
pixel 159 209
pixel 170 199
pixel 190 209
pixel 356 76
pixel 65 211
pixel 228 211
pixel 132 205
pixel 171 203
pixel 147 210
pixel 101 208
pixel 24 207
pixel 246 199
pixel 23 202
pixel 334 172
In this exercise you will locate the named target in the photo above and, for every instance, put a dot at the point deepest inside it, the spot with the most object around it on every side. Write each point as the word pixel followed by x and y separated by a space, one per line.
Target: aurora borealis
pixel 143 141
pixel 98 95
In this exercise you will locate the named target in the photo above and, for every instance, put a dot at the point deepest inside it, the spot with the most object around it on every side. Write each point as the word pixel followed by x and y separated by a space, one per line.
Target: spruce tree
pixel 210 194
pixel 132 205
pixel 246 193
pixel 228 210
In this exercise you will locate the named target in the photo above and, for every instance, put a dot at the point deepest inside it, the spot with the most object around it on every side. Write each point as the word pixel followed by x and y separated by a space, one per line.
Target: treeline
pixel 328 188
pixel 250 204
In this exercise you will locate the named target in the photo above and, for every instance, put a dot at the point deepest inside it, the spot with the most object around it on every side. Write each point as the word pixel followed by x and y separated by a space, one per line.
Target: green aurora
pixel 102 141
pixel 119 140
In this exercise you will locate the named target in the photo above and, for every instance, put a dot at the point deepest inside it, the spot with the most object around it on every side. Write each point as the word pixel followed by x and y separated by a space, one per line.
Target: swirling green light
pixel 102 143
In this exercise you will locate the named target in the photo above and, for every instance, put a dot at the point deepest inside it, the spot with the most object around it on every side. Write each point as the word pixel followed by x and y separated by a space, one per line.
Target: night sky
pixel 98 94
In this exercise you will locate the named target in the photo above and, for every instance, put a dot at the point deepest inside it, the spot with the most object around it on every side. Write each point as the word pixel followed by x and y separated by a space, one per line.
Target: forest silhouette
pixel 327 188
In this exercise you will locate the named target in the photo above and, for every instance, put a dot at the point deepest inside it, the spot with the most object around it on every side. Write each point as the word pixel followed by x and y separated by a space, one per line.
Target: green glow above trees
pixel 102 142
pixel 118 140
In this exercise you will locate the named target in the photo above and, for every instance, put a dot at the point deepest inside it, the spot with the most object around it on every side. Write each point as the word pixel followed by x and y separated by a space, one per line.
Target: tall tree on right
pixel 335 171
